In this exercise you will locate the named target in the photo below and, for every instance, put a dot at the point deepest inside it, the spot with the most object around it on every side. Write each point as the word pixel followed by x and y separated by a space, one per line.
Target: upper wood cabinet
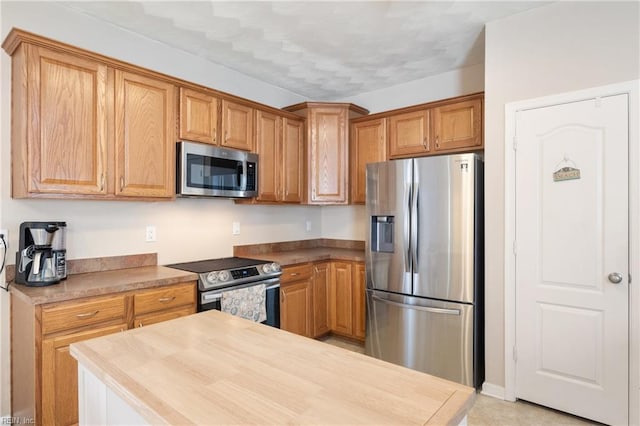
pixel 268 142
pixel 457 126
pixel 83 129
pixel 60 124
pixel 409 134
pixel 198 119
pixel 292 165
pixel 368 145
pixel 280 145
pixel 145 136
pixel 237 126
pixel 327 149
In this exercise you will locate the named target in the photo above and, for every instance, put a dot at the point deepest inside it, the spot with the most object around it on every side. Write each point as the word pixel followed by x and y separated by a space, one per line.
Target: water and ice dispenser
pixel 382 234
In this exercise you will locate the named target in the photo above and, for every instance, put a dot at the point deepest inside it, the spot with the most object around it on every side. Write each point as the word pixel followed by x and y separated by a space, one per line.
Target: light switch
pixel 235 228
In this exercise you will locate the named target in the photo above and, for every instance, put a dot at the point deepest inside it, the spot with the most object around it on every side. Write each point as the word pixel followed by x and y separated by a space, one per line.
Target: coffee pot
pixel 41 256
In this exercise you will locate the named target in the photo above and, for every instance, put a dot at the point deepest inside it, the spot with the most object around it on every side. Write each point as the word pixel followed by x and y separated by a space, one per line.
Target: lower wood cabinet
pixel 323 297
pixel 320 283
pixel 60 375
pixel 44 374
pixel 295 299
pixel 341 298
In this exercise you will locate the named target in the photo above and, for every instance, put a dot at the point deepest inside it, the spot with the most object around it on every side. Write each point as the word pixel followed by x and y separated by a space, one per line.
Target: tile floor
pixel 488 411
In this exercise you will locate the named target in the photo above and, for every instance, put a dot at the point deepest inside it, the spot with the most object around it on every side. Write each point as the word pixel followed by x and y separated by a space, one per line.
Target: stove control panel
pixel 230 277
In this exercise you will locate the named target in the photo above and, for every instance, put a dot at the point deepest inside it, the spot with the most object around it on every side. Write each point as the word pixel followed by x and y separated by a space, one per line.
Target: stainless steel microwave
pixel 208 171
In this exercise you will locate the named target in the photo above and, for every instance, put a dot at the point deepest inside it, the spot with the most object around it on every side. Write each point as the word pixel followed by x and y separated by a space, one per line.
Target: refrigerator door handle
pixel 407 230
pixel 419 308
pixel 414 220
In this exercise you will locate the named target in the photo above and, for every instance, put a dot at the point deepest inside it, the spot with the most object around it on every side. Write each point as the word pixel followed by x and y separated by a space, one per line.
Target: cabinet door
pixel 198 116
pixel 408 134
pixel 341 298
pixel 368 145
pixel 320 283
pixel 60 376
pixel 237 126
pixel 295 306
pixel 68 137
pixel 145 136
pixel 328 155
pixel 458 126
pixel 359 306
pixel 292 160
pixel 267 147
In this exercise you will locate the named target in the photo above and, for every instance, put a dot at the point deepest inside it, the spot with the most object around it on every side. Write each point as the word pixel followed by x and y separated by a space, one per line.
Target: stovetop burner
pixel 210 265
pixel 229 271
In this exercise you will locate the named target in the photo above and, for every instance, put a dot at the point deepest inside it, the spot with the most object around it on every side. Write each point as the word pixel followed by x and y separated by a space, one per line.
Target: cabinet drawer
pixel 165 298
pixel 68 315
pixel 296 273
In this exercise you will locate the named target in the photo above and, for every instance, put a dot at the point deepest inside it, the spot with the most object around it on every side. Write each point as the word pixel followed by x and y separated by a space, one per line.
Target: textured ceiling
pixel 320 50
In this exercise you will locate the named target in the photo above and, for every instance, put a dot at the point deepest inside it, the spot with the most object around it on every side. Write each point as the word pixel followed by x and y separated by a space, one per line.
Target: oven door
pixel 212 299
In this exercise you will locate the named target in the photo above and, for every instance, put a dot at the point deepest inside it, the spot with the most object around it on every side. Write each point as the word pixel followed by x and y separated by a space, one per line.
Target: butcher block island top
pixel 214 368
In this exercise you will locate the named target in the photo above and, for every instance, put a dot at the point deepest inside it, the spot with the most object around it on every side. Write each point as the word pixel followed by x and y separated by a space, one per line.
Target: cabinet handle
pixel 102 182
pixel 424 142
pixel 437 141
pixel 293 274
pixel 87 315
pixel 121 183
pixel 226 136
pixel 215 134
pixel 282 297
pixel 140 325
pixel 166 299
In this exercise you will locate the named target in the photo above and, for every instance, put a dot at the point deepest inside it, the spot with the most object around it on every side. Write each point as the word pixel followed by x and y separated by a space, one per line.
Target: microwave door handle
pixel 239 170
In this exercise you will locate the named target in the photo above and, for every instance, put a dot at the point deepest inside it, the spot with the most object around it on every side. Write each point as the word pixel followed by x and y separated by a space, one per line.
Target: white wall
pixel 446 85
pixel 557 48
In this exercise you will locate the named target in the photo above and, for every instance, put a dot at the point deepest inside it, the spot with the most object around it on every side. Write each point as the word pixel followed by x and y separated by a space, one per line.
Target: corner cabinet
pixel 44 374
pixel 327 149
pixel 83 129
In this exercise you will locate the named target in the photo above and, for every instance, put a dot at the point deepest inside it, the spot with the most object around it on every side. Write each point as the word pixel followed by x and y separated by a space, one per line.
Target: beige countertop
pixel 214 368
pixel 98 283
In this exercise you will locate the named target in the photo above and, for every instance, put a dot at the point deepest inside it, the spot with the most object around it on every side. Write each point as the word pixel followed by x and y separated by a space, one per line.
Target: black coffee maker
pixel 41 256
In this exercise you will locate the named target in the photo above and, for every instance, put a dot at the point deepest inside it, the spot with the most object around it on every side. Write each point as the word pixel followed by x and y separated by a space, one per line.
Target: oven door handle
pixel 214 295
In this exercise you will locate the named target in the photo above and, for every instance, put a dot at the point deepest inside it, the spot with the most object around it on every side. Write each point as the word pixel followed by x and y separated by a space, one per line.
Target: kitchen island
pixel 214 368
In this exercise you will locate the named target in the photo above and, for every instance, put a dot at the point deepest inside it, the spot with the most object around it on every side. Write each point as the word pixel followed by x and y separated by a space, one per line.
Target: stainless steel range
pixel 219 275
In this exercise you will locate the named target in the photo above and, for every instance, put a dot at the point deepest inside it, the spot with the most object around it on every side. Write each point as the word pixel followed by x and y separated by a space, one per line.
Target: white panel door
pixel 571 318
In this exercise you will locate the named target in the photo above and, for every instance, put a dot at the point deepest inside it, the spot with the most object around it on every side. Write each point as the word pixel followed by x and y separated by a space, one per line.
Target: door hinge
pixel 515 143
pixel 515 354
pixel 515 248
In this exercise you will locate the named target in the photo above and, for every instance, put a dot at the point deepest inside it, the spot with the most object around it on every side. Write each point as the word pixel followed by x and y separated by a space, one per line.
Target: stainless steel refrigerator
pixel 424 265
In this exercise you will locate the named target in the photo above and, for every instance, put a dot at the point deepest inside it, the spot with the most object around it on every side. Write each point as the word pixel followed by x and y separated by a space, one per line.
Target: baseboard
pixel 492 390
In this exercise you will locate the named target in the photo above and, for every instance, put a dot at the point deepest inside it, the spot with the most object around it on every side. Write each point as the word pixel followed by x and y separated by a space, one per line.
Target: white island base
pixel 213 368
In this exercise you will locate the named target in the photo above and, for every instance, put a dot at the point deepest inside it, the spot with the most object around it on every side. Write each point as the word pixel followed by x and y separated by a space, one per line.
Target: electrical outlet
pixel 235 228
pixel 151 234
pixel 308 225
